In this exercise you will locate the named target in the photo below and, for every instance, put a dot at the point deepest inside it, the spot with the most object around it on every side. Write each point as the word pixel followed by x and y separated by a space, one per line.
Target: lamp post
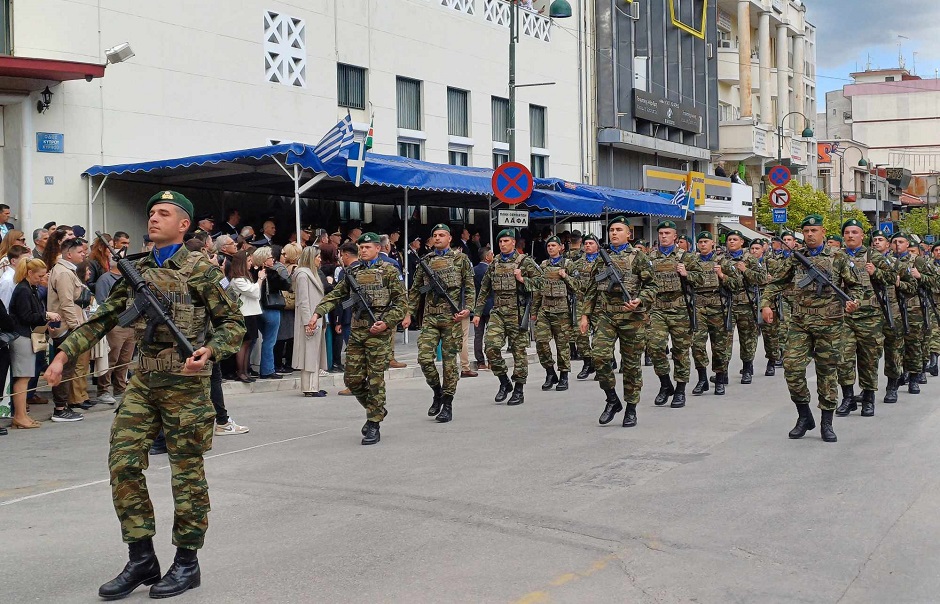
pixel 807 133
pixel 928 203
pixel 877 193
pixel 862 163
pixel 559 9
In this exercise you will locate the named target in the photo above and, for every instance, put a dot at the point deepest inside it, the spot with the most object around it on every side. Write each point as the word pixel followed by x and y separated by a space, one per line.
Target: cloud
pixel 847 30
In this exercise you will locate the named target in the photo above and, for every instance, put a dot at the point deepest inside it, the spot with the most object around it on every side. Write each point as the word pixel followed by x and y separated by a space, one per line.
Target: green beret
pixel 666 224
pixel 704 235
pixel 878 233
pixel 590 237
pixel 686 237
pixel 812 220
pixel 511 233
pixel 172 197
pixel 899 235
pixel 553 239
pixel 440 227
pixel 618 220
pixel 369 238
pixel 835 238
pixel 735 233
pixel 851 222
pixel 786 233
pixel 758 241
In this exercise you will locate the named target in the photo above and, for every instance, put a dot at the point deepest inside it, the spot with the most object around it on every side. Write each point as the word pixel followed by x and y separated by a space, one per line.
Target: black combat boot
pixel 629 418
pixel 575 353
pixel 702 384
pixel 913 387
pixel 720 378
pixel 562 382
pixel 435 407
pixel 372 435
pixel 804 423
pixel 891 391
pixel 771 368
pixel 183 575
pixel 517 397
pixel 587 370
pixel 922 377
pixel 614 406
pixel 551 378
pixel 848 404
pixel 747 374
pixel 868 403
pixel 902 381
pixel 825 427
pixel 447 408
pixel 720 381
pixel 678 399
pixel 665 390
pixel 142 568
pixel 505 387
pixel 933 367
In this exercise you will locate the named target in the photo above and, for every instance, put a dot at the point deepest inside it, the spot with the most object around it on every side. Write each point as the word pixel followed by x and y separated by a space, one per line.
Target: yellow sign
pixel 698 33
pixel 695 185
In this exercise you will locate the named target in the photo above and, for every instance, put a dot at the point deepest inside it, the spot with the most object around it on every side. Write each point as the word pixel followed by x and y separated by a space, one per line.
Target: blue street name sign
pixel 780 215
pixel 50 142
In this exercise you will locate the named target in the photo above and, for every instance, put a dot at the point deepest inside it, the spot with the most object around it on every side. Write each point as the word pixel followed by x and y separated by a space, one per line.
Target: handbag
pixel 273 300
pixel 40 340
pixel 290 300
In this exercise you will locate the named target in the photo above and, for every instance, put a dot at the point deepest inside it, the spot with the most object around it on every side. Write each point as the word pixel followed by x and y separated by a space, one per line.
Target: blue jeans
pixel 270 321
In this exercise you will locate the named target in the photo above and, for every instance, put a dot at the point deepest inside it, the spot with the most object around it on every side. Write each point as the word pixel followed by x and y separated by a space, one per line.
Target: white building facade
pixel 215 75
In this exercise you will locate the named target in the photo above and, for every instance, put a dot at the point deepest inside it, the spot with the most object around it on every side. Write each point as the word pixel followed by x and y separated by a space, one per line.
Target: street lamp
pixel 559 9
pixel 928 204
pixel 807 133
pixel 862 163
pixel 874 169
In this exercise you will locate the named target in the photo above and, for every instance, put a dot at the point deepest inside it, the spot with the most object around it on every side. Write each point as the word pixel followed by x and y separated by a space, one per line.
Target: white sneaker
pixel 324 373
pixel 230 428
pixel 107 398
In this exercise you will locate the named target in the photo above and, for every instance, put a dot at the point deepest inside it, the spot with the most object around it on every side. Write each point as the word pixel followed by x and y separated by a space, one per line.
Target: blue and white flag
pixel 679 198
pixel 338 137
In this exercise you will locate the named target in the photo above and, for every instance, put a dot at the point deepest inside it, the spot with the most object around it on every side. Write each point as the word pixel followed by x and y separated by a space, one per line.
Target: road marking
pixel 107 480
pixel 542 595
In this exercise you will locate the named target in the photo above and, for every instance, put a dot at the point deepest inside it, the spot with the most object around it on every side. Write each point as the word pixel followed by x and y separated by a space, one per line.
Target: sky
pixel 848 31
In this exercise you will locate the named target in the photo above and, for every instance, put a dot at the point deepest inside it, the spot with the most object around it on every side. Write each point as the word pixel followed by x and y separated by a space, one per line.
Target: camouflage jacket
pixel 603 297
pixel 531 281
pixel 581 268
pixel 669 291
pixel 390 300
pixel 227 327
pixel 909 284
pixel 549 275
pixel 883 276
pixel 707 294
pixel 826 305
pixel 753 276
pixel 457 276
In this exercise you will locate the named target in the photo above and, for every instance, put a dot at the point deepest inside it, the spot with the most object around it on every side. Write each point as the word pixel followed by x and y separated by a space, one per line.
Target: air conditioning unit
pixel 634 10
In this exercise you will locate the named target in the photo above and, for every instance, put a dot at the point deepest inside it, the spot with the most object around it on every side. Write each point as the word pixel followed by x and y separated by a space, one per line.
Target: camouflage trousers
pixel 181 407
pixel 666 324
pixel 862 339
pixel 747 331
pixel 503 326
pixel 934 345
pixel 583 340
pixel 555 326
pixel 915 341
pixel 711 325
pixel 771 337
pixel 817 341
pixel 894 348
pixel 367 358
pixel 631 334
pixel 440 329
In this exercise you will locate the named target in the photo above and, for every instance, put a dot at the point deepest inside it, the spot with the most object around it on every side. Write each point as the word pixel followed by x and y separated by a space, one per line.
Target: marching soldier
pixel 621 313
pixel 744 310
pixel 835 241
pixel 164 393
pixel 932 366
pixel 815 325
pixel 581 271
pixel 893 336
pixel 440 324
pixel 369 350
pixel 769 333
pixel 919 282
pixel 720 281
pixel 863 331
pixel 675 271
pixel 512 278
pixel 552 311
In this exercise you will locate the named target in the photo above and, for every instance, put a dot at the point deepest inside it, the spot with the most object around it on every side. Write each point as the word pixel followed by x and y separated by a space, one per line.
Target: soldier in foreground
pixel 513 279
pixel 553 310
pixel 164 393
pixel 745 311
pixel 824 292
pixel 770 334
pixel 583 265
pixel 375 287
pixel 439 294
pixel 619 296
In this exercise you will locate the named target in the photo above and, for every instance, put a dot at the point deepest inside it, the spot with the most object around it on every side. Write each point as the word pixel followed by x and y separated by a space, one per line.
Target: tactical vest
pixel 377 294
pixel 867 298
pixel 740 296
pixel 707 294
pixel 445 267
pixel 612 300
pixel 913 301
pixel 191 318
pixel 554 291
pixel 581 272
pixel 504 282
pixel 806 301
pixel 664 272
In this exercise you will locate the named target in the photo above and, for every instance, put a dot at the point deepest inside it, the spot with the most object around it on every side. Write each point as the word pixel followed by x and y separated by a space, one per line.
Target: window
pixel 409 149
pixel 409 104
pixel 351 86
pixel 458 158
pixel 456 215
pixel 458 112
pixel 725 112
pixel 285 51
pixel 539 166
pixel 724 39
pixel 350 210
pixel 499 159
pixel 500 119
pixel 537 137
pixel 6 28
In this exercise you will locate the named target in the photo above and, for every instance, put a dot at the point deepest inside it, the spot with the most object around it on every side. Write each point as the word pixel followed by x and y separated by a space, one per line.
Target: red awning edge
pixel 48 69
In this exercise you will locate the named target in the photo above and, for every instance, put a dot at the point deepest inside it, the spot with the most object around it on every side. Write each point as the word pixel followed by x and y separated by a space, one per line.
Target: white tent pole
pixel 91 200
pixel 489 206
pixel 404 256
pixel 297 201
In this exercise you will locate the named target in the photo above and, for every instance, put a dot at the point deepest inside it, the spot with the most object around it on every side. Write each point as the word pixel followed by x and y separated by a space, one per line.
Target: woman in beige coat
pixel 309 340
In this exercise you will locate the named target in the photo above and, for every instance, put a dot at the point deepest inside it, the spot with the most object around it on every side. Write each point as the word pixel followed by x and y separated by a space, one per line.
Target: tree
pixel 915 222
pixel 805 200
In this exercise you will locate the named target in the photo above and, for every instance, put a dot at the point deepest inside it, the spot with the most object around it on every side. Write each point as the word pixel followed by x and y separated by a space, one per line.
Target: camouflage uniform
pixel 894 336
pixel 863 332
pixel 507 310
pixel 551 306
pixel 670 317
pixel 367 354
pixel 160 395
pixel 711 313
pixel 581 267
pixel 934 326
pixel 453 269
pixel 815 325
pixel 754 276
pixel 914 339
pixel 771 333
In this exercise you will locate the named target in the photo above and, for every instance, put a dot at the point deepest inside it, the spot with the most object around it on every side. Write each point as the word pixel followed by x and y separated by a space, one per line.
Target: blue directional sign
pixel 780 215
pixel 887 228
pixel 779 175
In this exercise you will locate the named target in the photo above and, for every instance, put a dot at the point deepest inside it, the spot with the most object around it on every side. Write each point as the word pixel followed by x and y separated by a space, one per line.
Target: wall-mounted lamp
pixel 44 101
pixel 119 53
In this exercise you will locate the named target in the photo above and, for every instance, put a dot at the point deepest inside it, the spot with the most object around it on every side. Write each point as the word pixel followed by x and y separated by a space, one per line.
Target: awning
pixel 749 234
pixel 191 164
pixel 565 204
pixel 617 200
pixel 47 69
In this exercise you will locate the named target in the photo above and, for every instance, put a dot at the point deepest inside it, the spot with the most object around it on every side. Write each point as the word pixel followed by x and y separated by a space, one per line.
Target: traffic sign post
pixel 780 215
pixel 512 183
pixel 779 197
pixel 779 175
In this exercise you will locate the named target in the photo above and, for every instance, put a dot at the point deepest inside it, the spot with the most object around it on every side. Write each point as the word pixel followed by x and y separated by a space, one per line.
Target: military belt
pixel 708 299
pixel 825 311
pixel 668 304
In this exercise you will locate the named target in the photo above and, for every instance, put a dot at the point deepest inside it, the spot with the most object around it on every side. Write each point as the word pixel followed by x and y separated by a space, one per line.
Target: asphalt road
pixel 537 503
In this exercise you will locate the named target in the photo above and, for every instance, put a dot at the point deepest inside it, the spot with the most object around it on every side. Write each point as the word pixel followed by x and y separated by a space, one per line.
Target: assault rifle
pixel 358 299
pixel 815 275
pixel 689 294
pixel 149 302
pixel 612 273
pixel 927 304
pixel 727 302
pixel 434 284
pixel 524 300
pixel 905 318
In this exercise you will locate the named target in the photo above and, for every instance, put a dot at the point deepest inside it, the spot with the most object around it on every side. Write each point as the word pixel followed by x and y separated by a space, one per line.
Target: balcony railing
pixel 531 23
pixel 464 6
pixel 496 11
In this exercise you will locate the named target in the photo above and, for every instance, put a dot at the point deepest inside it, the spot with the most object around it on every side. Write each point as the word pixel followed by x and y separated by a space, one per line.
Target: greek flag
pixel 679 198
pixel 338 137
